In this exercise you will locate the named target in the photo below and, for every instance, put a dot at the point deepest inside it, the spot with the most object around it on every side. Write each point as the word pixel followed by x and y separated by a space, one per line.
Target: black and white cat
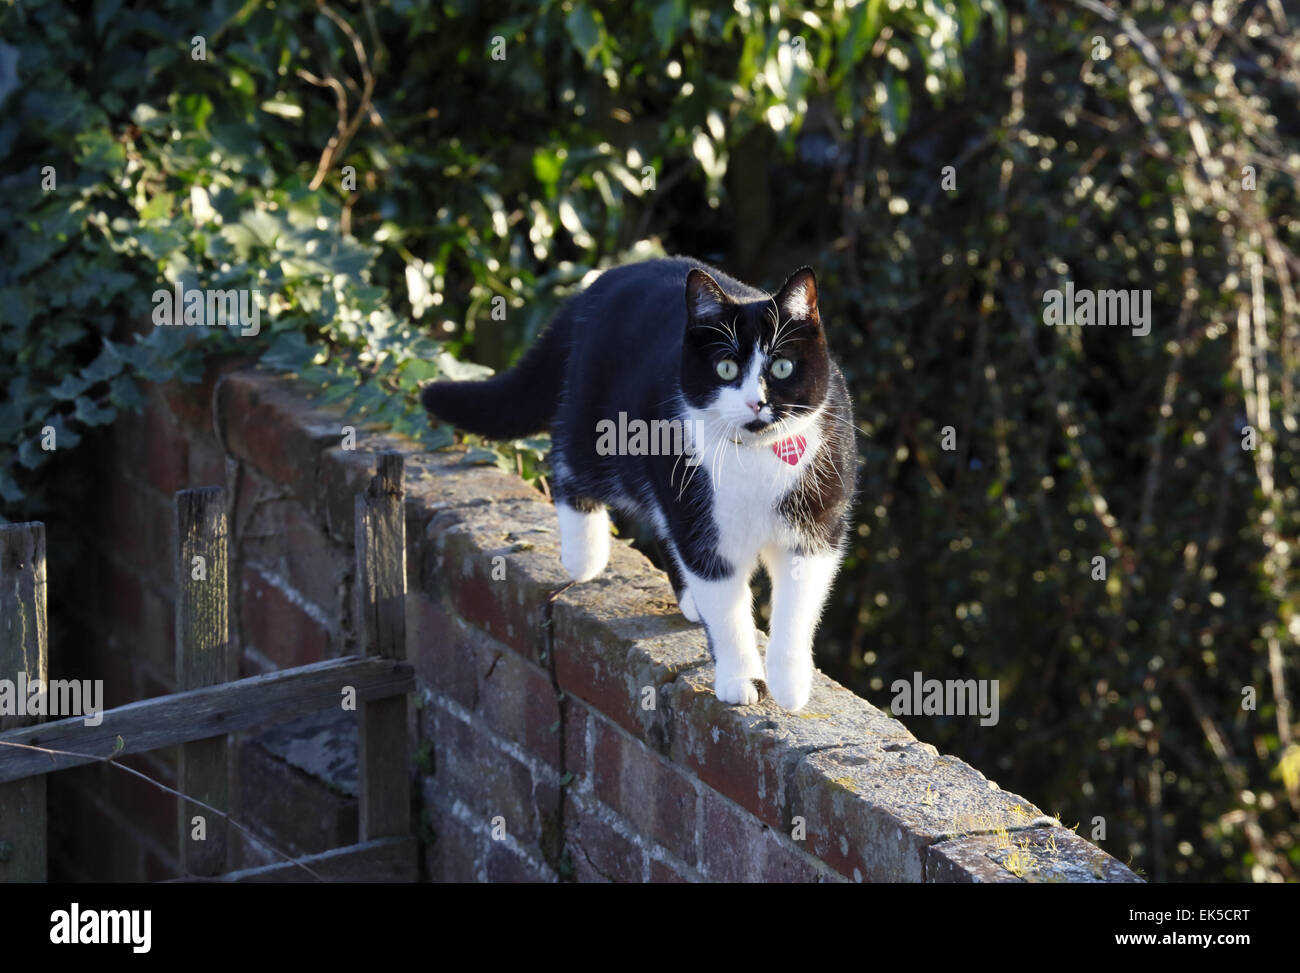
pixel 767 467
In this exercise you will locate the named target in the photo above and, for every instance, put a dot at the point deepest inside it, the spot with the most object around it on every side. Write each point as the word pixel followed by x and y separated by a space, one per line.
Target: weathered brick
pixel 444 654
pixel 207 466
pixel 598 852
pixel 661 873
pixel 343 473
pixel 253 532
pixel 453 855
pixel 278 623
pixel 297 812
pixel 503 864
pixel 737 847
pixel 518 701
pixel 314 566
pixel 191 402
pixel 155 449
pixel 729 748
pixel 470 764
pixel 489 568
pixel 576 720
pixel 136 523
pixel 620 643
pixel 277 534
pixel 442 481
pixel 750 753
pixel 655 797
pixel 263 423
pixel 1042 854
pixel 872 811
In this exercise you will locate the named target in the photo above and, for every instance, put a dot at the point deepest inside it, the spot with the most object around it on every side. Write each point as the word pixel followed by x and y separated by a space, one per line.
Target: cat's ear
pixel 798 297
pixel 704 298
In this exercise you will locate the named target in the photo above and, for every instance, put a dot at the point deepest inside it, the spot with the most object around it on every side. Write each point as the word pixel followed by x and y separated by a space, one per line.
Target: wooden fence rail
pixel 209 706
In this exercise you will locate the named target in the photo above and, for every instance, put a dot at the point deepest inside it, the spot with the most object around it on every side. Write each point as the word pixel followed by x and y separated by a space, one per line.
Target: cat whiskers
pixel 731 343
pixel 778 328
pixel 716 471
pixel 687 480
pixel 832 415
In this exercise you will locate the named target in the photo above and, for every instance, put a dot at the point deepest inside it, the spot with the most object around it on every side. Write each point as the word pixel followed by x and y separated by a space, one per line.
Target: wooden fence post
pixel 24 649
pixel 202 659
pixel 384 802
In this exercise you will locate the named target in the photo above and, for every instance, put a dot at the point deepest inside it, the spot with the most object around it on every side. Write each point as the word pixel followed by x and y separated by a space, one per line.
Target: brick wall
pixel 575 738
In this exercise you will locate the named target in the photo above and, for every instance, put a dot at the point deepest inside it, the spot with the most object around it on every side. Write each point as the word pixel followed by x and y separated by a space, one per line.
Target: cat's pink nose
pixel 754 407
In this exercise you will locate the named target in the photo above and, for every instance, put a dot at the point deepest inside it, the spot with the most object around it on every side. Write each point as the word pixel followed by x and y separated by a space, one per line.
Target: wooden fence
pixel 209 705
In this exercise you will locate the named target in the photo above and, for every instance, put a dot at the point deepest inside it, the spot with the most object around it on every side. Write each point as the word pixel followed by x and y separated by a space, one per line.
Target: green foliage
pixel 1122 697
pixel 501 160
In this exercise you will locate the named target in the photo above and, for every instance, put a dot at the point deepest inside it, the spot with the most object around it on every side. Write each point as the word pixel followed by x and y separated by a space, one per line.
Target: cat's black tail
pixel 518 402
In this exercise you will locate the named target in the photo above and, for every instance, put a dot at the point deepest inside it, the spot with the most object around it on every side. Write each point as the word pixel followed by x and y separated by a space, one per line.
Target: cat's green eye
pixel 727 370
pixel 782 368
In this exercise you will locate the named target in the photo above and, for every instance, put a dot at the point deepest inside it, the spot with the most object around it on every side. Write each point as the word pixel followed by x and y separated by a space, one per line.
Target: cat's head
pixel 759 368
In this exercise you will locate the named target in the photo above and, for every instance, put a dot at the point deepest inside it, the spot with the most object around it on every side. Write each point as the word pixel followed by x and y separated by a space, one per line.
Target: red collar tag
pixel 790 450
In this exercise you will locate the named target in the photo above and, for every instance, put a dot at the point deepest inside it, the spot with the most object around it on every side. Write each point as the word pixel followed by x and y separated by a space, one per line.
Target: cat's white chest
pixel 748 485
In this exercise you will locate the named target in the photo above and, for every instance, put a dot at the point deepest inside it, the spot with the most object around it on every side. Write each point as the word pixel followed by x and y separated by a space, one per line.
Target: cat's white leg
pixel 687 604
pixel 726 608
pixel 584 541
pixel 800 584
pixel 685 601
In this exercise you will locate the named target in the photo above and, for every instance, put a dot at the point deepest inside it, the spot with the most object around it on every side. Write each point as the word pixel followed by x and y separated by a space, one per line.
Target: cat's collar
pixel 791 449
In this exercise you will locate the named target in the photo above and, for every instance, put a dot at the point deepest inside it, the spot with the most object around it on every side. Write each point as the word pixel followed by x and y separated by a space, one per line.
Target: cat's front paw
pixel 738 690
pixel 789 683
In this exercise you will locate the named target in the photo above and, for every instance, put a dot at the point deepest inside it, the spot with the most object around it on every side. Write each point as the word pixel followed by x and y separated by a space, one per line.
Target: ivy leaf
pixel 70 387
pixel 416 372
pixel 30 454
pixel 290 352
pixel 264 227
pixel 124 393
pixel 99 151
pixel 460 371
pixel 584 31
pixel 158 208
pixel 665 20
pixel 104 367
pixel 93 415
